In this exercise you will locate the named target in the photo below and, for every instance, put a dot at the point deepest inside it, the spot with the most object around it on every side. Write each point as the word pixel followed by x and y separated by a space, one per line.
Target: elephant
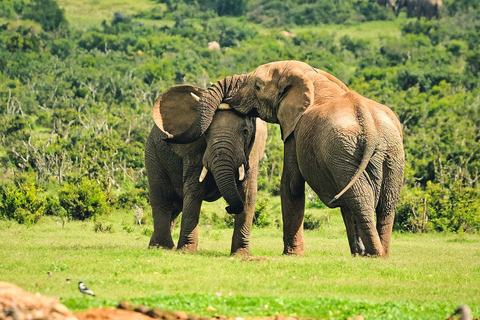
pixel 397 5
pixel 348 148
pixel 223 162
pixel 429 9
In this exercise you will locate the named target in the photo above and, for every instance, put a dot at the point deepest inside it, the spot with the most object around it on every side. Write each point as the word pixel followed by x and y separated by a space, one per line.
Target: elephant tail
pixel 371 143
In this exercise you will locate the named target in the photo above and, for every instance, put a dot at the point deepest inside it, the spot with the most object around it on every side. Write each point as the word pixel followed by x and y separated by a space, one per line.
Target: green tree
pixel 47 13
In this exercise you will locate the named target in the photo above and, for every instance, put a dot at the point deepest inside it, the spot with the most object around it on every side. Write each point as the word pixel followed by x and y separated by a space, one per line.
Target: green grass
pixel 372 31
pixel 426 277
pixel 89 13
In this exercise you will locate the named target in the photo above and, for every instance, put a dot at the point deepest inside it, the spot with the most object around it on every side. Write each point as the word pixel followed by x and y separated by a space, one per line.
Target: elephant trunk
pixel 224 174
pixel 209 102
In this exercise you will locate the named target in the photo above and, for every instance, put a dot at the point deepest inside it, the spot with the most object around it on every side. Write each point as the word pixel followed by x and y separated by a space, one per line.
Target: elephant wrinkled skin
pixel 230 150
pixel 348 148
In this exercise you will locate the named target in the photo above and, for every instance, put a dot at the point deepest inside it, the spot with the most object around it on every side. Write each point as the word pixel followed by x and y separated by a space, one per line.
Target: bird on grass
pixel 83 289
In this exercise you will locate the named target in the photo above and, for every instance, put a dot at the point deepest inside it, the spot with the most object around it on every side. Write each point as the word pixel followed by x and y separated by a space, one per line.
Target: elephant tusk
pixel 241 172
pixel 203 174
pixel 224 106
pixel 195 96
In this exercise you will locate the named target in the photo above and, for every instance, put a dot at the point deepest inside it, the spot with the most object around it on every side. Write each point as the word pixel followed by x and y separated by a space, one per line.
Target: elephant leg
pixel 193 194
pixel 244 220
pixel 389 196
pixel 360 200
pixel 292 190
pixel 162 212
pixel 161 197
pixel 354 240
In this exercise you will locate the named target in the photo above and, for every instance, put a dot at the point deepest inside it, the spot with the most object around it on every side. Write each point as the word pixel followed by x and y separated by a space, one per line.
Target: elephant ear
pixel 298 98
pixel 176 109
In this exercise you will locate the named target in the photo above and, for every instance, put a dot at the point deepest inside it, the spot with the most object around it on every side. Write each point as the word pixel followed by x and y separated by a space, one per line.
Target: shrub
pixel 260 218
pixel 47 13
pixel 311 222
pixel 454 208
pixel 139 215
pixel 229 33
pixel 100 226
pixel 84 200
pixel 22 204
pixel 137 197
pixel 62 48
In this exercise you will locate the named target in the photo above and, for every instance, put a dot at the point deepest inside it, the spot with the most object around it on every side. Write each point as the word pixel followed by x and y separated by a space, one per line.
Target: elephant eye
pixel 257 87
pixel 285 91
pixel 245 132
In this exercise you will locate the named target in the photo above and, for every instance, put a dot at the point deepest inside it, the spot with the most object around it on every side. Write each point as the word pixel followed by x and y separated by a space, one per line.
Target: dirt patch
pixel 111 314
pixel 252 258
pixel 16 303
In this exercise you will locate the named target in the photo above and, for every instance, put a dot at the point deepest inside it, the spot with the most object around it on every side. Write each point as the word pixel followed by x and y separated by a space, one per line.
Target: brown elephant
pixel 229 153
pixel 348 148
pixel 429 9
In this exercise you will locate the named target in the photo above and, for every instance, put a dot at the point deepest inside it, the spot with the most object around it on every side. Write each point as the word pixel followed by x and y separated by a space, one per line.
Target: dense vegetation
pixel 75 105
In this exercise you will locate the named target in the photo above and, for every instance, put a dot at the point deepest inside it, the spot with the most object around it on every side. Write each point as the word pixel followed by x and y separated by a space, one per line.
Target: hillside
pixel 78 82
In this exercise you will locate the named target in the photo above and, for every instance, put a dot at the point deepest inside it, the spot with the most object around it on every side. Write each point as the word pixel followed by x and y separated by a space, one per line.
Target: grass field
pixel 426 277
pixel 89 13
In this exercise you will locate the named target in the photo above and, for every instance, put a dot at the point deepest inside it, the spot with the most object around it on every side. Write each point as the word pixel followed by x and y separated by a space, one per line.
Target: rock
pixel 19 304
pixel 214 46
pixel 142 309
pixel 125 305
pixel 155 313
pixel 181 315
pixel 287 34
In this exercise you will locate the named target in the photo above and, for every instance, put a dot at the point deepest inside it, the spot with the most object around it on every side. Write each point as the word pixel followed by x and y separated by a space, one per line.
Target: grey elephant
pixel 429 9
pixel 348 148
pixel 397 6
pixel 223 162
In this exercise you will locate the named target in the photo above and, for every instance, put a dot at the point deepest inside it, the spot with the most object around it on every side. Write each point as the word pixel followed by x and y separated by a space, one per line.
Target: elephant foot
pixel 163 244
pixel 191 247
pixel 293 251
pixel 243 252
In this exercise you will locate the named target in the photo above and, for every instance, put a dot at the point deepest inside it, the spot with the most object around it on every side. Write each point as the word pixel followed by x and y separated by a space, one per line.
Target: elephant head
pixel 277 92
pixel 229 139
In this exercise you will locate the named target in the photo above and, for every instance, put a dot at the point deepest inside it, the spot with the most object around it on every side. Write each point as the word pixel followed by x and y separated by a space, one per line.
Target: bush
pixel 62 48
pixel 311 222
pixel 22 204
pixel 229 33
pixel 260 218
pixel 100 226
pixel 137 197
pixel 47 13
pixel 454 208
pixel 139 215
pixel 84 200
